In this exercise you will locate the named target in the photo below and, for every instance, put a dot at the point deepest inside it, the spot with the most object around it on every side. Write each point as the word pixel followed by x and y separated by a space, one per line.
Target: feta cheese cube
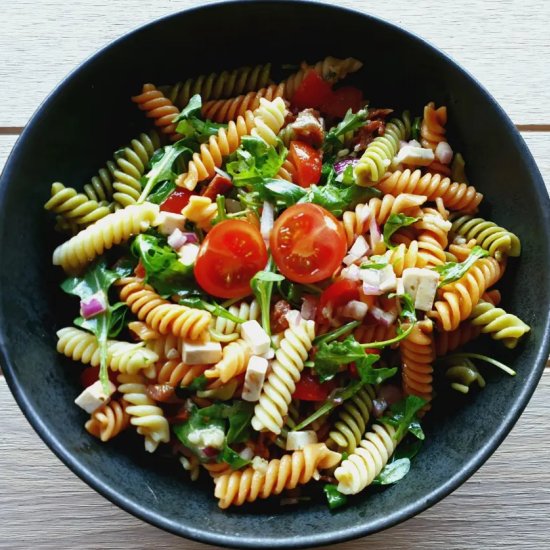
pixel 93 396
pixel 355 310
pixel 388 280
pixel 421 284
pixel 167 222
pixel 400 289
pixel 256 337
pixel 296 441
pixel 370 276
pixel 254 378
pixel 417 156
pixel 270 354
pixel 194 353
pixel 188 253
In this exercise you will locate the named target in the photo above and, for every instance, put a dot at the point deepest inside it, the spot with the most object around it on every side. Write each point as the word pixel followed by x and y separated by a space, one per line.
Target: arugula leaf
pixel 393 472
pixel 394 223
pixel 117 319
pixel 403 417
pixel 198 384
pixel 280 192
pixel 161 192
pixel 215 309
pixel 335 498
pixel 351 122
pixel 161 166
pixel 232 458
pixel 336 333
pixel 98 279
pixel 262 286
pixel 370 375
pixel 239 415
pixel 408 449
pixel 164 270
pixel 331 355
pixel 452 271
pixel 255 160
pixel 192 126
pixel 408 311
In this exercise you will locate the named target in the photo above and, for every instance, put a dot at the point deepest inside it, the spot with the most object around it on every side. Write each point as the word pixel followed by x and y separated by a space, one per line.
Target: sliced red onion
pixel 385 318
pixel 372 290
pixel 352 273
pixel 293 317
pixel 342 164
pixel 309 308
pixel 191 238
pixel 222 173
pixel 94 305
pixel 177 239
pixel 375 233
pixel 267 220
pixel 355 310
pixel 378 407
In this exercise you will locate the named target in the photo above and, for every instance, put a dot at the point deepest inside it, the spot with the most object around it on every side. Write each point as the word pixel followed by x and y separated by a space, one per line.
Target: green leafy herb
pixel 213 308
pixel 163 267
pixel 331 355
pixel 335 136
pixel 408 449
pixel 280 192
pixel 98 279
pixel 232 458
pixel 336 333
pixel 161 192
pixel 335 498
pixel 393 472
pixel 452 271
pixel 394 223
pixel 415 129
pixel 161 167
pixel 192 126
pixel 262 286
pixel 198 384
pixel 403 417
pixel 255 160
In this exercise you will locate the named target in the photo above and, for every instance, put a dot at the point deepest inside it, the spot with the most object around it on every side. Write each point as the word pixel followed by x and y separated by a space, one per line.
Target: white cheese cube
pixel 417 156
pixel 399 288
pixel 268 355
pixel 254 378
pixel 93 396
pixel 421 284
pixel 167 222
pixel 388 280
pixel 188 253
pixel 256 337
pixel 194 353
pixel 370 276
pixel 355 310
pixel 298 440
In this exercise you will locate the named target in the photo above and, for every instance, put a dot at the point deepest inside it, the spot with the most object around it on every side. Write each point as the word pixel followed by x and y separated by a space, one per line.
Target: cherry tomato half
pixel 308 388
pixel 176 201
pixel 338 294
pixel 308 162
pixel 341 100
pixel 139 271
pixel 230 255
pixel 313 91
pixel 308 243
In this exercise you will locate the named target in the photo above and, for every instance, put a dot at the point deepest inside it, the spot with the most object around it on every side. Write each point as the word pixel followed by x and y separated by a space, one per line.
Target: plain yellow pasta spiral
pixel 75 209
pixel 162 315
pixel 74 254
pixel 432 130
pixel 83 346
pixel 367 461
pixel 225 330
pixel 352 421
pixel 175 372
pixel 201 211
pixel 500 325
pixel 234 361
pixel 456 196
pixel 380 152
pixel 496 240
pixel 288 472
pixel 286 369
pixel 160 108
pixel 108 421
pixel 457 300
pixel 132 162
pixel 269 118
pixel 432 238
pixel 165 346
pixel 402 257
pixel 145 415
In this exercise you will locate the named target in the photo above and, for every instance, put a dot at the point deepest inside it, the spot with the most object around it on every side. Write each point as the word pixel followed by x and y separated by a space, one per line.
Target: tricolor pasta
pixel 273 277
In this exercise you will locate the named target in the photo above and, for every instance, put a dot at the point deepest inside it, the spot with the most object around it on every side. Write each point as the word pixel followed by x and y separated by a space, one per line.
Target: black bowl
pixel 89 115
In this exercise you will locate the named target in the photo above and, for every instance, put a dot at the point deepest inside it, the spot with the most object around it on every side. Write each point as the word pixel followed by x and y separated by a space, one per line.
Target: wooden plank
pixel 507 501
pixel 503 43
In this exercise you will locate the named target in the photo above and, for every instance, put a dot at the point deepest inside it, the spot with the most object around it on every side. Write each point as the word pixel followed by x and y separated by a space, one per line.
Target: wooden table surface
pixel 506 504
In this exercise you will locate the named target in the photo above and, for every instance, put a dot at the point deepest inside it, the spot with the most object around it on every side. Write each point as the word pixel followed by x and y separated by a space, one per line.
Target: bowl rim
pixel 309 540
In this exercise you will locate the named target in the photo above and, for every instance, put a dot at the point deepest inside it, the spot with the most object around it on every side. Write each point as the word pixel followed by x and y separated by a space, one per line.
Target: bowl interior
pixel 90 115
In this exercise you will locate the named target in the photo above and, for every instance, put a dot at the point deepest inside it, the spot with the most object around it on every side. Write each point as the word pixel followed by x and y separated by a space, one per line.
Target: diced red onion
pixel 370 277
pixel 414 143
pixel 341 165
pixel 385 318
pixel 293 317
pixel 378 407
pixel 190 238
pixel 371 290
pixel 359 248
pixel 352 273
pixel 355 310
pixel 94 305
pixel 375 234
pixel 402 144
pixel 222 173
pixel 267 220
pixel 444 153
pixel 309 308
pixel 177 239
pixel 363 214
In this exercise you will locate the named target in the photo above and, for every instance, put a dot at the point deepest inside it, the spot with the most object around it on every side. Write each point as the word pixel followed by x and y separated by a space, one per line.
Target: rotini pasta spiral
pixel 432 238
pixel 287 171
pixel 380 152
pixel 225 84
pixel 165 346
pixel 365 334
pixel 417 357
pixel 432 130
pixel 496 240
pixel 456 196
pixel 403 257
pixel 77 252
pixel 457 300
pixel 281 382
pixel 225 330
pixel 176 373
pixel 367 461
pixel 234 361
pixel 124 357
pixel 353 419
pixel 145 415
pixel 463 376
pixel 108 421
pixel 247 485
pixel 500 325
pixel 161 315
pixel 100 187
pixel 132 162
pixel 269 118
pixel 160 108
pixel 75 208
pixel 201 211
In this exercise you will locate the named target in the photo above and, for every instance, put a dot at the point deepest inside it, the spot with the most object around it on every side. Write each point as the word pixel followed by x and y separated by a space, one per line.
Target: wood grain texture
pixel 45 506
pixel 504 43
